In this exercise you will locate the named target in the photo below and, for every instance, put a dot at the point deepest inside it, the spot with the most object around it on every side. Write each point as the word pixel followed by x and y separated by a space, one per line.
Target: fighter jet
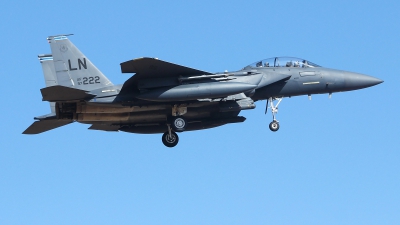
pixel 163 97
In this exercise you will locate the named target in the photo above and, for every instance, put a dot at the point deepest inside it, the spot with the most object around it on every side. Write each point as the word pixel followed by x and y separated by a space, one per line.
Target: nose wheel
pixel 274 125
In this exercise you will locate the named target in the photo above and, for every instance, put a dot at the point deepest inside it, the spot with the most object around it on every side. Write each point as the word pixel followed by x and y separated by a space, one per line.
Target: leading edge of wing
pixel 152 67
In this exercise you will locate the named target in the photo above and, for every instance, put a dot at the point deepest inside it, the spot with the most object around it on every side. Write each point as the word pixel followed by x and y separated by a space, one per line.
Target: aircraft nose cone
pixel 355 81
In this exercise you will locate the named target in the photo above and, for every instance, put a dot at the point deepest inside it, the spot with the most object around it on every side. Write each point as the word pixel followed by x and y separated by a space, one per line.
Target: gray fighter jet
pixel 162 97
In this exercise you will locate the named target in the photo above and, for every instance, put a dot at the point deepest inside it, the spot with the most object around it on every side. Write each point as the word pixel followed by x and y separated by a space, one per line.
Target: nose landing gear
pixel 274 125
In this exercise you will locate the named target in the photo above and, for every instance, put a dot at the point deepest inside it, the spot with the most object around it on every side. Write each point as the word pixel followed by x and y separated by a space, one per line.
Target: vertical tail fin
pixel 73 68
pixel 49 74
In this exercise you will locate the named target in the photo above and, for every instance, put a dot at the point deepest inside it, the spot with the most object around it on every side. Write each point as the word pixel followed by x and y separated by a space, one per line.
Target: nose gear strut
pixel 274 125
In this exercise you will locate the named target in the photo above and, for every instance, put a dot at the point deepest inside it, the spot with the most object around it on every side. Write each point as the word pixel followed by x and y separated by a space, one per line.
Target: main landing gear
pixel 170 138
pixel 176 123
pixel 274 125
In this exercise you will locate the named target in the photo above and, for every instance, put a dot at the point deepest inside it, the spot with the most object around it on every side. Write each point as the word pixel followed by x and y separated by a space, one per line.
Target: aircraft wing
pixel 145 68
pixel 151 67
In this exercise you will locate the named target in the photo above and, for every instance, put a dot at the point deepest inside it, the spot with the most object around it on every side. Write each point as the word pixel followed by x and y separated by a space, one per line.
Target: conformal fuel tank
pixel 196 91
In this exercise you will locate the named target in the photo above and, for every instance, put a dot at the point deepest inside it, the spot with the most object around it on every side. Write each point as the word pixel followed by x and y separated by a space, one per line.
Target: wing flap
pixel 62 93
pixel 45 125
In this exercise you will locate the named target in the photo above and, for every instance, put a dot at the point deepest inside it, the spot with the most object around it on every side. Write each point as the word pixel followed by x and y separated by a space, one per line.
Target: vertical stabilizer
pixel 49 74
pixel 73 68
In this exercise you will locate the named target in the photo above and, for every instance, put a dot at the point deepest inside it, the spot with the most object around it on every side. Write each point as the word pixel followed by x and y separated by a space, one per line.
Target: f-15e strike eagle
pixel 163 97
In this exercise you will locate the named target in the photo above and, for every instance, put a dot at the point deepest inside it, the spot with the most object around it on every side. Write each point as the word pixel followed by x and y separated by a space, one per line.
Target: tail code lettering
pixel 81 64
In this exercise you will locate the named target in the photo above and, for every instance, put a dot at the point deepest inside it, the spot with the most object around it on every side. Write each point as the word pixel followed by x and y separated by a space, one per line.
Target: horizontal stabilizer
pixel 62 93
pixel 45 125
pixel 50 116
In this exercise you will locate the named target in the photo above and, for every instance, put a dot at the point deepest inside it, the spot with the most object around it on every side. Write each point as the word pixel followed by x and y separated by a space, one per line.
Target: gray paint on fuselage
pixel 161 93
pixel 304 81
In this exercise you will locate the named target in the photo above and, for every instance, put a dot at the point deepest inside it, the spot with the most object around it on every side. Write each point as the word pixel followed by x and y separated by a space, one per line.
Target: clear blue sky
pixel 333 161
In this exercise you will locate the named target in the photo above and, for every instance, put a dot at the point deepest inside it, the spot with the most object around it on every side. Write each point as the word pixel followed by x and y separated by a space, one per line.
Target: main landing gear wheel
pixel 274 126
pixel 178 124
pixel 170 139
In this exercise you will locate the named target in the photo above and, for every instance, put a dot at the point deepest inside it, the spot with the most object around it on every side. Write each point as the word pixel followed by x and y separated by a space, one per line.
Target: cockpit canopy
pixel 283 62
